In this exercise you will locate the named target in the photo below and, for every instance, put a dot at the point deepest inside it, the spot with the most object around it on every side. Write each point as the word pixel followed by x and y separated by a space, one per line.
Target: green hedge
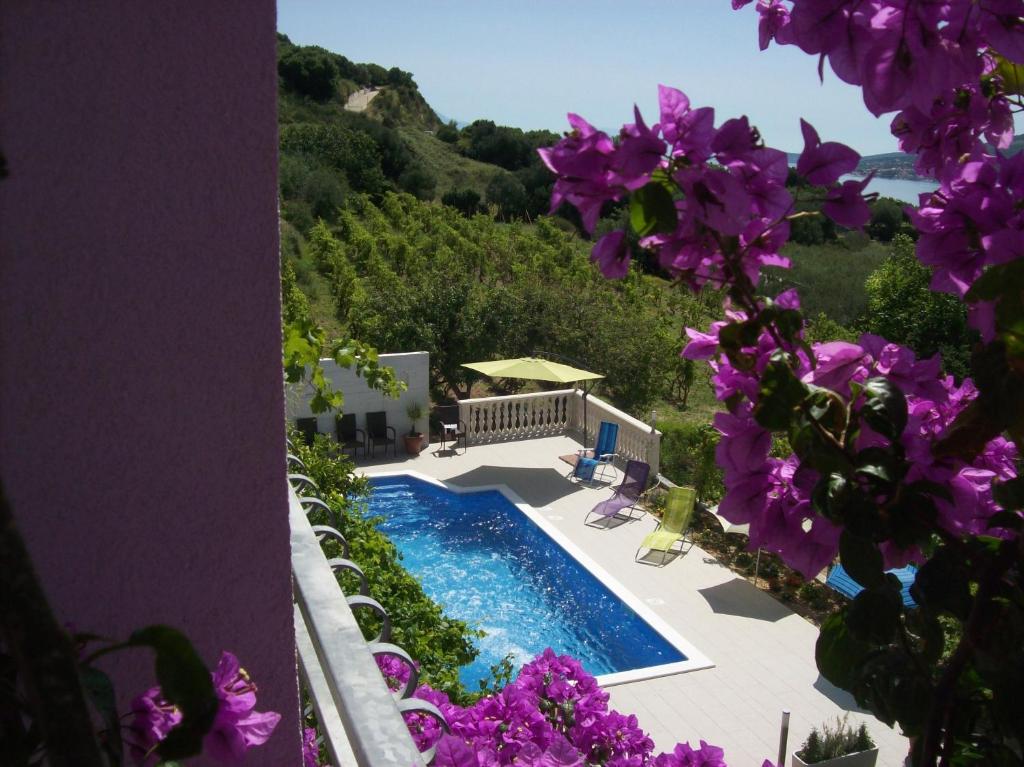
pixel 688 458
pixel 418 624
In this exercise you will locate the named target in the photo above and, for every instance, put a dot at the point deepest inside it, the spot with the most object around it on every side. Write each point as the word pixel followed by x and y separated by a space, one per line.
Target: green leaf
pixel 941 585
pixel 185 682
pixel 862 560
pixel 911 518
pixel 1012 76
pixel 892 686
pixel 828 409
pixel 874 614
pixel 885 407
pixel 1008 520
pixel 100 690
pixel 1009 494
pixel 997 282
pixel 929 631
pixel 838 653
pixel 880 467
pixel 780 396
pixel 652 210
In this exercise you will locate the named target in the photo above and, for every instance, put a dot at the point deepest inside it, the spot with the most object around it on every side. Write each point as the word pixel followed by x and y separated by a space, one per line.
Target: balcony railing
pixel 360 719
pixel 546 414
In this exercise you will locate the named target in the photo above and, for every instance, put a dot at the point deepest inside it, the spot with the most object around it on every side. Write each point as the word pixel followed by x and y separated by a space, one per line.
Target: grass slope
pixel 830 278
pixel 452 170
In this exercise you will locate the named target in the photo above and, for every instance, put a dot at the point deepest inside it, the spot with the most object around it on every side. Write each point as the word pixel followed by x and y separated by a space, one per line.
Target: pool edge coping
pixel 695 659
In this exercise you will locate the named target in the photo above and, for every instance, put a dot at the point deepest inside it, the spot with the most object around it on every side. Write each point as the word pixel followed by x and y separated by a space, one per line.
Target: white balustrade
pixel 519 416
pixel 636 441
pixel 546 414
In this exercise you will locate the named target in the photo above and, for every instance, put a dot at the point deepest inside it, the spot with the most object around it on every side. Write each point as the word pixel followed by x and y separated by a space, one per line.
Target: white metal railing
pixel 360 719
pixel 545 414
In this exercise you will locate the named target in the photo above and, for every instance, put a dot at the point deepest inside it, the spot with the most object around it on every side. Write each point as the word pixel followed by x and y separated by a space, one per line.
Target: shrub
pixel 808 592
pixel 688 458
pixel 466 201
pixel 833 742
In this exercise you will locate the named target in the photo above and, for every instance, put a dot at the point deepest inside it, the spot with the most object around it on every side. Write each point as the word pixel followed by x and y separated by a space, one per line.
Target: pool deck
pixel 762 651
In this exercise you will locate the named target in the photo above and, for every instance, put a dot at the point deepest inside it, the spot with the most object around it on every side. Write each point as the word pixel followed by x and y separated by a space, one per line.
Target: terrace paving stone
pixel 763 652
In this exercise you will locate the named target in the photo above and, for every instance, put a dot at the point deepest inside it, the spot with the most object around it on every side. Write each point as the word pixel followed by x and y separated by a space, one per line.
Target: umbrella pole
pixel 584 415
pixel 757 564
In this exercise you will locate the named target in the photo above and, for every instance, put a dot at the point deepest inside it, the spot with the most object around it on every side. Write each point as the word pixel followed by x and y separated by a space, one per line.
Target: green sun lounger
pixel 673 525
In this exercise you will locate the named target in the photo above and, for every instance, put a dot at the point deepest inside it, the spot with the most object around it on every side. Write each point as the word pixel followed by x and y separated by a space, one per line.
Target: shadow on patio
pixel 538 487
pixel 737 597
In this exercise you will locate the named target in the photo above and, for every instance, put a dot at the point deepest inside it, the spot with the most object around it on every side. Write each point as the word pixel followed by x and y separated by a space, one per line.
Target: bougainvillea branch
pixel 889 461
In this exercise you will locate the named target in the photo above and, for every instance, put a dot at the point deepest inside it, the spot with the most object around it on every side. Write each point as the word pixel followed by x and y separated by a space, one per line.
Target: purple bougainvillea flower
pixel 152 718
pixel 639 152
pixel 823 164
pixel 702 346
pixel 733 140
pixel 774 24
pixel 839 362
pixel 611 254
pixel 310 749
pixel 845 204
pixel 237 726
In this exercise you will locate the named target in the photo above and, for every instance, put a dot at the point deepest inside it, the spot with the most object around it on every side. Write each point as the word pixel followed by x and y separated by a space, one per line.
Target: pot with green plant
pixel 414 439
pixel 837 746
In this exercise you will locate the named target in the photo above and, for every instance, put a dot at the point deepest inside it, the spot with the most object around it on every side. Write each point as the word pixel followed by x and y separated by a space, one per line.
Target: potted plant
pixel 414 439
pixel 838 746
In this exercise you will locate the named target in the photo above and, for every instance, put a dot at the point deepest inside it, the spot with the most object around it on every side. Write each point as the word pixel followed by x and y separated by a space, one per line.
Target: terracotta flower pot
pixel 413 443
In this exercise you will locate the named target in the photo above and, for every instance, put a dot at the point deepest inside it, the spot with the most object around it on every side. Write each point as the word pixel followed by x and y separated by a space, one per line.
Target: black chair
pixel 308 428
pixel 452 429
pixel 349 437
pixel 377 433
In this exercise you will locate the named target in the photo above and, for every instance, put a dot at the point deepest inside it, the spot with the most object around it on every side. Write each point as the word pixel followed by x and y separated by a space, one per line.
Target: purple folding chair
pixel 623 503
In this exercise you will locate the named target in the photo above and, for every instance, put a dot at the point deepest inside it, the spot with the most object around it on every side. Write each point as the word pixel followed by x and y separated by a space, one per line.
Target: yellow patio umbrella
pixel 537 369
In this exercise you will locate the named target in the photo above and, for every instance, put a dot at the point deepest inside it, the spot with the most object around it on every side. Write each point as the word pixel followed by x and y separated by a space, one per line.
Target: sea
pixel 899 188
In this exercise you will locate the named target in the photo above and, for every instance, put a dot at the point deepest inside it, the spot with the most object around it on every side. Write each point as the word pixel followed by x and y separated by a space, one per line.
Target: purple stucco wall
pixel 141 413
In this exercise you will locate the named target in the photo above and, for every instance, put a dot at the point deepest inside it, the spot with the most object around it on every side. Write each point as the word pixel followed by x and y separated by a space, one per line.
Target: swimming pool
pixel 501 567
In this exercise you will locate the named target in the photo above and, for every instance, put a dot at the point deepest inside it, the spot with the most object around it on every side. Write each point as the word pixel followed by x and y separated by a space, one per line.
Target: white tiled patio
pixel 763 653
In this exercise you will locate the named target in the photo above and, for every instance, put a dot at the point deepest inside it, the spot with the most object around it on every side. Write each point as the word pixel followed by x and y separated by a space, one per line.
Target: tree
pixel 902 308
pixel 886 218
pixel 309 71
pixel 507 194
pixel 448 133
pixel 419 182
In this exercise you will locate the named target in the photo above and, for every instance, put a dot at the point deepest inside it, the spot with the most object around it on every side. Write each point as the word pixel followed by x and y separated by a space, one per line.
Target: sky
pixel 527 63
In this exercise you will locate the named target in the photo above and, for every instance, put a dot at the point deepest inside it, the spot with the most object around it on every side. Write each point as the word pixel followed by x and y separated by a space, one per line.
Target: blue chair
pixel 599 458
pixel 840 580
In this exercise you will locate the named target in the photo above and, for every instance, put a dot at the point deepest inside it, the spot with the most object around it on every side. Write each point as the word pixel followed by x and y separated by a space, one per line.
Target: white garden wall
pixel 410 367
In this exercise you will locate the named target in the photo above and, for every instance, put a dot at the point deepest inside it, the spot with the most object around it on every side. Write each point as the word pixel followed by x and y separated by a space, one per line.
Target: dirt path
pixel 361 99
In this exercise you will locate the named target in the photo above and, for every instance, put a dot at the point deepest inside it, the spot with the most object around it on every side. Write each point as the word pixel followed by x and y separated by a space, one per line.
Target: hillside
pixel 900 165
pixel 452 170
pixel 390 139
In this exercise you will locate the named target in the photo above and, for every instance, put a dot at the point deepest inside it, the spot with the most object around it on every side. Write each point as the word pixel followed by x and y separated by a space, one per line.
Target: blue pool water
pixel 490 565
